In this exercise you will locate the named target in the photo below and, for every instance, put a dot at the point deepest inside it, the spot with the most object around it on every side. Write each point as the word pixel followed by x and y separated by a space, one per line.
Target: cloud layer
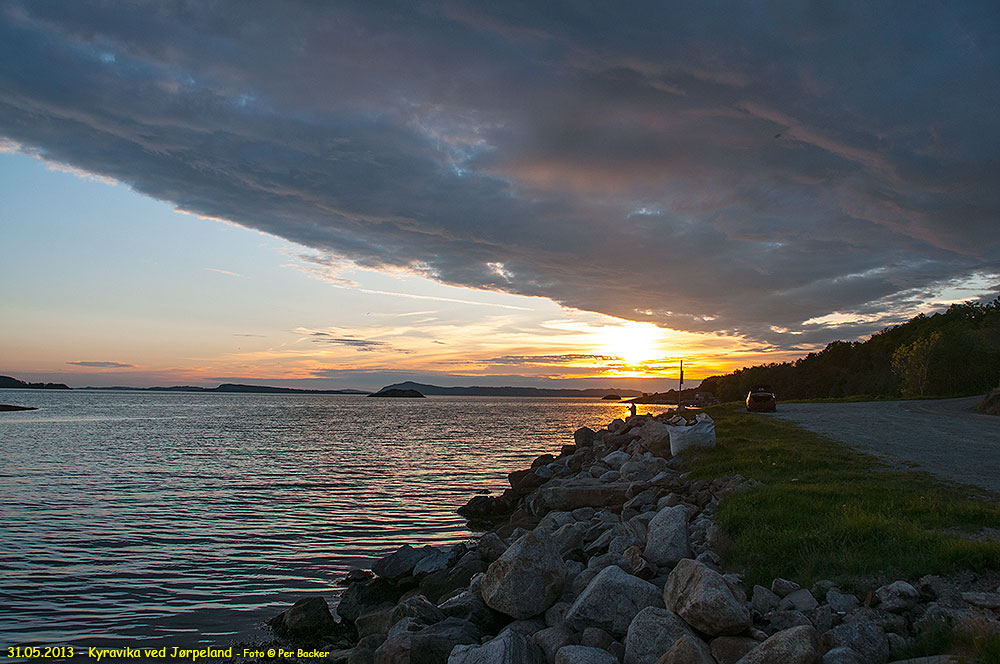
pixel 742 168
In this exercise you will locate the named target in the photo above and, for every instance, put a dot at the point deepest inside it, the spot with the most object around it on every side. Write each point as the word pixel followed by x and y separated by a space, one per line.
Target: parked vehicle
pixel 761 400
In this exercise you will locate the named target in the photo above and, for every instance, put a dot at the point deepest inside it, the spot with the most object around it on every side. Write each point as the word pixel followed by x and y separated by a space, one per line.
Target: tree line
pixel 952 353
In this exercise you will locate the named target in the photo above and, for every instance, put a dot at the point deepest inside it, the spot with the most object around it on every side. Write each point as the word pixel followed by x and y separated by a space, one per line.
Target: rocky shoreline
pixel 608 554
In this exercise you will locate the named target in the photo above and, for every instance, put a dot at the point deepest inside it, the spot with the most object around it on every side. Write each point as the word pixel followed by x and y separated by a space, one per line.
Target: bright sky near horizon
pixel 342 196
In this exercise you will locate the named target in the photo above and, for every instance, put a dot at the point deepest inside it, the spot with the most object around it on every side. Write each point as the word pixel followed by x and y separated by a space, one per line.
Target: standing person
pixel 631 410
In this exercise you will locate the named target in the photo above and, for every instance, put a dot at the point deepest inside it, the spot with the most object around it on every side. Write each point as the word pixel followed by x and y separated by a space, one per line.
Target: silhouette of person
pixel 631 410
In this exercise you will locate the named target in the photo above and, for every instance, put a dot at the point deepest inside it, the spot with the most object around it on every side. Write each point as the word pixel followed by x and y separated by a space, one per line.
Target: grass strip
pixel 826 511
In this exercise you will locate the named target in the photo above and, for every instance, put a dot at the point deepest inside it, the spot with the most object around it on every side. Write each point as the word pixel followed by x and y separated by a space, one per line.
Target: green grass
pixel 826 511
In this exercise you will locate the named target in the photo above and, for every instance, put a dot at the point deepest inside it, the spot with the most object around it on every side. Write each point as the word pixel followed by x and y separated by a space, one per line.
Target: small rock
pixel 841 602
pixel 798 645
pixel 782 587
pixel 897 596
pixel 763 600
pixel 434 643
pixel 781 620
pixel 595 637
pixel 400 562
pixel 798 600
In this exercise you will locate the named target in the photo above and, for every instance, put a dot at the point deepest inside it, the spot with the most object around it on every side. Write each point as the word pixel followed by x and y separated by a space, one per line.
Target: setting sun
pixel 633 342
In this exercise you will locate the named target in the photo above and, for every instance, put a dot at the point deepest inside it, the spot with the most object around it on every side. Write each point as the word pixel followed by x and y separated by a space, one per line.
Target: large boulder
pixel 667 536
pixel 798 645
pixel 583 437
pixel 688 649
pixel 400 562
pixel 702 597
pixel 611 600
pixel 570 495
pixel 509 647
pixel 308 617
pixel 651 633
pixel 433 644
pixel 527 579
pixel 365 596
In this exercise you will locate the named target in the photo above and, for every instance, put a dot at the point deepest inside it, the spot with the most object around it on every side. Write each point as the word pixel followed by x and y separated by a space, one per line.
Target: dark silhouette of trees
pixel 953 353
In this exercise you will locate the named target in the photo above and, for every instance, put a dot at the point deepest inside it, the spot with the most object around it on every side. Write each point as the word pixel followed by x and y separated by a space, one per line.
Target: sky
pixel 569 194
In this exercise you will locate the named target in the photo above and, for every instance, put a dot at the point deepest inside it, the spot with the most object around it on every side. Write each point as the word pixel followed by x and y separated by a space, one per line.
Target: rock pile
pixel 606 554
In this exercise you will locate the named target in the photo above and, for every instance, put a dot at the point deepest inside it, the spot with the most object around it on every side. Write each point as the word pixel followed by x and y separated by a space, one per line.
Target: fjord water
pixel 186 518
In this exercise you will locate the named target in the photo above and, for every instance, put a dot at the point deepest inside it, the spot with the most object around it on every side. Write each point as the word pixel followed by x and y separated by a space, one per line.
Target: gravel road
pixel 944 436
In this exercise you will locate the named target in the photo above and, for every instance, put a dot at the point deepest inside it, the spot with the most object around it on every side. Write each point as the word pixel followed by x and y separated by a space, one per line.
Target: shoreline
pixel 608 552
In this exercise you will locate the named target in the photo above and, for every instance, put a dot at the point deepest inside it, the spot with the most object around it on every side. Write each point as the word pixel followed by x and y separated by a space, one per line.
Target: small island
pixel 393 392
pixel 6 407
pixel 611 397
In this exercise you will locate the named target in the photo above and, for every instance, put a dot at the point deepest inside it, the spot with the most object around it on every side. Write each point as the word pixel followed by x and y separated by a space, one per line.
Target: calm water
pixel 170 518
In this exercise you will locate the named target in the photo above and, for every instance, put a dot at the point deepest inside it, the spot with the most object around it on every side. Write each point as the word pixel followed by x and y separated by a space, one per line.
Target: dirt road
pixel 943 436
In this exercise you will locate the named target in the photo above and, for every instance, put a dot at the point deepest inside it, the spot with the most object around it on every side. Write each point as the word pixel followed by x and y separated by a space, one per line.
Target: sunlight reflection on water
pixel 187 517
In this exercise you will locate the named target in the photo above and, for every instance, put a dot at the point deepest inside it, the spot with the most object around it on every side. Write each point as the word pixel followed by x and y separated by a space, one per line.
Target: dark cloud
pixel 102 365
pixel 615 158
pixel 359 344
pixel 566 358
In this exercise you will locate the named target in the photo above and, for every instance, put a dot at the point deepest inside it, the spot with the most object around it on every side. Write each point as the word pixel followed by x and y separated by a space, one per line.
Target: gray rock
pixel 667 539
pixel 782 587
pixel 615 460
pixel 507 648
pixel 436 560
pixel 375 622
pixel 365 596
pixel 525 627
pixel 551 639
pixel 897 596
pixel 491 547
pixel 864 637
pixel 555 520
pixel 435 643
pixel 595 637
pixel 842 656
pixel 400 562
pixel 780 620
pixel 556 614
pixel 841 602
pixel 729 649
pixel 611 600
pixel 822 618
pixel 584 655
pixel 395 649
pixel 469 606
pixel 404 625
pixel 798 600
pixel 417 607
pixel 704 600
pixel 583 437
pixel 982 600
pixel 798 645
pixel 652 632
pixel 527 579
pixel 688 649
pixel 572 494
pixel 569 537
pixel 308 617
pixel 763 600
pixel 610 476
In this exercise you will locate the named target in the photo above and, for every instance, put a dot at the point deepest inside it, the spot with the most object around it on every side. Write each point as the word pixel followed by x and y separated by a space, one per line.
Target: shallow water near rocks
pixel 183 518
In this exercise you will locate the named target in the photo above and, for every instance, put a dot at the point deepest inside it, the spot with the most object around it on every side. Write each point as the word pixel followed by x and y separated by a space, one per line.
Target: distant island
pixel 482 391
pixel 393 392
pixel 228 388
pixel 15 384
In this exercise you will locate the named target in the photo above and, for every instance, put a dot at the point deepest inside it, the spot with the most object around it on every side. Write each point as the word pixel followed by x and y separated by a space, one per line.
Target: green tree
pixel 911 363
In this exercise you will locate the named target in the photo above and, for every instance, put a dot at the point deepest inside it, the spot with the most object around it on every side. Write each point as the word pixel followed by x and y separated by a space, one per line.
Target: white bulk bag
pixel 699 434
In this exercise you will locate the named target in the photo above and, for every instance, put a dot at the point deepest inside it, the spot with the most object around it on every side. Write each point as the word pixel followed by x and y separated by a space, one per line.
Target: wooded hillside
pixel 944 354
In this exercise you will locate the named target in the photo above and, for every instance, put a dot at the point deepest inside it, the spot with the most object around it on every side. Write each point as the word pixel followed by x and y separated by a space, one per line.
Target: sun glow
pixel 633 342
